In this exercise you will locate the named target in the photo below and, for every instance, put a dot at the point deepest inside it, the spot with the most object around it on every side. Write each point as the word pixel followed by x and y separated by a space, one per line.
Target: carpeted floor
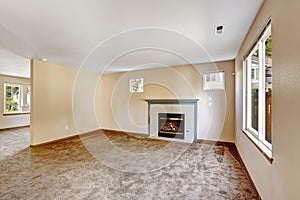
pixel 114 165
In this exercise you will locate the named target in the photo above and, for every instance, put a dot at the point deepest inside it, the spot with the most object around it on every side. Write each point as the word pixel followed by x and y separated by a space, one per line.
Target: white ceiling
pixel 66 31
pixel 14 65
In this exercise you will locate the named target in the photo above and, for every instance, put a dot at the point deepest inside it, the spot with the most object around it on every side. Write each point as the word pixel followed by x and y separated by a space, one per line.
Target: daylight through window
pixel 136 85
pixel 214 81
pixel 258 90
pixel 16 98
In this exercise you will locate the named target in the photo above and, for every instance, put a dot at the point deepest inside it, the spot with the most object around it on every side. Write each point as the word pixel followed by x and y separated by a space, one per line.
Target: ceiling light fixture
pixel 44 59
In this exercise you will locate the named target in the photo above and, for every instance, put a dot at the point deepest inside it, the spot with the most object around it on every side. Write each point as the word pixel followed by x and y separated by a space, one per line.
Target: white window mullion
pixel 261 98
pixel 244 94
pixel 263 95
pixel 4 99
pixel 248 86
pixel 19 98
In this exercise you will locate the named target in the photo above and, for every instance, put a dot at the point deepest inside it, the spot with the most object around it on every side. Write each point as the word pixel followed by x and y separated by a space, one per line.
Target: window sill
pixel 9 114
pixel 267 153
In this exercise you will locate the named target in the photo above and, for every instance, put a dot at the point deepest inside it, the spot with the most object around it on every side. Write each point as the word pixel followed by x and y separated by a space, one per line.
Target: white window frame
pixel 258 137
pixel 19 103
pixel 248 90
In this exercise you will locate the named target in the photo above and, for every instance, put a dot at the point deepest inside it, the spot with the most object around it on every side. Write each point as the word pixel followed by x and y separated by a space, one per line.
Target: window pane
pixel 12 98
pixel 207 77
pixel 213 77
pixel 268 88
pixel 254 90
pixel 8 91
pixel 25 98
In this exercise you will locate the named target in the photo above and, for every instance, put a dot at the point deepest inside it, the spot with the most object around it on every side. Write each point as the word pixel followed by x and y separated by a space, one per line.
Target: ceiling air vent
pixel 219 30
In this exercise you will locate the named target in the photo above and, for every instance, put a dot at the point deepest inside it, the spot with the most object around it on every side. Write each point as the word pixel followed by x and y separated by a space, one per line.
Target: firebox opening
pixel 171 125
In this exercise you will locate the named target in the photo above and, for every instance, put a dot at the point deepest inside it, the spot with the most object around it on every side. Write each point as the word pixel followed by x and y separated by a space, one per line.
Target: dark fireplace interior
pixel 171 125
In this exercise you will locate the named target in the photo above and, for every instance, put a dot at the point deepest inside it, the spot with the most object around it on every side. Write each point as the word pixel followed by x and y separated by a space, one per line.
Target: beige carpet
pixel 116 165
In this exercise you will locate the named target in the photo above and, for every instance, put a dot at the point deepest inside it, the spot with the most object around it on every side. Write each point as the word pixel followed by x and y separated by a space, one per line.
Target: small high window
pixel 214 81
pixel 136 85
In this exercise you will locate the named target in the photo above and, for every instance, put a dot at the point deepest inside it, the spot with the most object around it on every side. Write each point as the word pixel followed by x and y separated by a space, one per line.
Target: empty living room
pixel 110 99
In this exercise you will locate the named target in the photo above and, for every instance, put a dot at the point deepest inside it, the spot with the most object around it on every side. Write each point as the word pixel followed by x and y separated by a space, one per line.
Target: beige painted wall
pixel 12 120
pixel 279 180
pixel 62 102
pixel 120 110
pixel 51 100
pixel 84 102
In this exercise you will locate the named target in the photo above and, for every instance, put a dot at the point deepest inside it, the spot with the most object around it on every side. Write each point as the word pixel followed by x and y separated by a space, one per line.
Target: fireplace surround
pixel 173 119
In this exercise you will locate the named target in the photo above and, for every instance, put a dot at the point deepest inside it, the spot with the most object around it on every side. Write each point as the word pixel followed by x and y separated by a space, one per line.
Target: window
pixel 257 122
pixel 214 81
pixel 16 98
pixel 136 85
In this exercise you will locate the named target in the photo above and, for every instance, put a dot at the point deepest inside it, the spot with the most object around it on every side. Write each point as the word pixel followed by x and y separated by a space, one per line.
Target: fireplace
pixel 179 119
pixel 171 125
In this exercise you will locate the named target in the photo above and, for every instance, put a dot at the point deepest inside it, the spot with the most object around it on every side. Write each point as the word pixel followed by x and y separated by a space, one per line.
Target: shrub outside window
pixel 16 98
pixel 136 85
